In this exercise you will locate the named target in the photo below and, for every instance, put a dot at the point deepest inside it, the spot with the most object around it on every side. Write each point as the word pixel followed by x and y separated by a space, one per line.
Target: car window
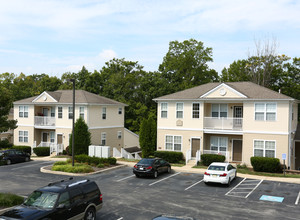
pixel 43 200
pixel 75 194
pixel 162 161
pixel 146 161
pixel 64 199
pixel 217 168
pixel 19 152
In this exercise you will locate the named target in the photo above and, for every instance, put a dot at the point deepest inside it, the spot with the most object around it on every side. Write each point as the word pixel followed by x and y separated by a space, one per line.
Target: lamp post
pixel 73 119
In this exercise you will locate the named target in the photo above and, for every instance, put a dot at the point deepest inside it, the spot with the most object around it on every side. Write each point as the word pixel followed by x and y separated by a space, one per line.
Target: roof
pixel 248 89
pixel 66 97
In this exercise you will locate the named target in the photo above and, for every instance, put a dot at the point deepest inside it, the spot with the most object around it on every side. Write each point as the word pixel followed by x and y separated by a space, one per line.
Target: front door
pixel 44 137
pixel 195 146
pixel 238 116
pixel 237 150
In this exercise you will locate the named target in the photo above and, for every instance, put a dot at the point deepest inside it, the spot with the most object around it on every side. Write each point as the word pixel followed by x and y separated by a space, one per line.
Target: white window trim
pixel 173 142
pixel 69 112
pixel 119 134
pixel 193 109
pixel 161 110
pixel 219 142
pixel 264 150
pixel 23 136
pixel 105 138
pixel 265 111
pixel 81 112
pixel 120 111
pixel 62 109
pixel 104 113
pixel 179 110
pixel 23 111
pixel 219 110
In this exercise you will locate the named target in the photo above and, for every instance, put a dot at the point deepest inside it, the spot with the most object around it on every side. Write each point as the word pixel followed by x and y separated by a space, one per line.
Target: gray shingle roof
pixel 249 89
pixel 81 96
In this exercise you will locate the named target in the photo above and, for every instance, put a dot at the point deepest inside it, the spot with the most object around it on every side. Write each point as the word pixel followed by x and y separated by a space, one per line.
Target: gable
pixel 44 98
pixel 223 91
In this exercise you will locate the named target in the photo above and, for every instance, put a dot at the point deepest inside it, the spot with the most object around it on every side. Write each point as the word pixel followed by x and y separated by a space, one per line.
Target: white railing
pixel 198 156
pixel 116 153
pixel 58 148
pixel 188 156
pixel 44 121
pixel 224 153
pixel 125 154
pixel 223 123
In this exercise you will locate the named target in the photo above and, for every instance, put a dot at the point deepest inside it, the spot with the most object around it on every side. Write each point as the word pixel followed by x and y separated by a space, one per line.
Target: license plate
pixel 141 168
pixel 214 175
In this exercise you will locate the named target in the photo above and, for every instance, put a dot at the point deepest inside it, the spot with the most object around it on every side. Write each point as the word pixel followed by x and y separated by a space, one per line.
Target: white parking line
pixel 125 178
pixel 31 165
pixel 194 184
pixel 297 200
pixel 235 186
pixel 164 179
pixel 254 188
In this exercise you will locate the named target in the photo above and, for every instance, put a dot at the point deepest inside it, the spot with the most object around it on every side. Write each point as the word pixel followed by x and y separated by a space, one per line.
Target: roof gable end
pixel 223 91
pixel 44 97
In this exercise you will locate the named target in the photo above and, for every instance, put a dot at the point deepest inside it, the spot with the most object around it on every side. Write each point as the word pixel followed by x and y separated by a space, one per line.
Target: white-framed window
pixel 164 110
pixel 120 111
pixel 103 112
pixel 219 110
pixel 173 143
pixel 60 112
pixel 218 143
pixel 179 110
pixel 81 112
pixel 119 135
pixel 70 112
pixel 52 136
pixel 52 113
pixel 263 148
pixel 265 111
pixel 23 136
pixel 103 138
pixel 23 111
pixel 196 110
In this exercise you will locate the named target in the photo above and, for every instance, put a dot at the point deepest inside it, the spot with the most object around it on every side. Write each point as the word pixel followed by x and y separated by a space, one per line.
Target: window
pixel 103 138
pixel 265 111
pixel 60 112
pixel 70 112
pixel 264 148
pixel 173 143
pixel 119 134
pixel 196 110
pixel 219 110
pixel 104 113
pixel 23 136
pixel 81 112
pixel 179 110
pixel 120 111
pixel 218 144
pixel 52 112
pixel 52 136
pixel 23 111
pixel 164 110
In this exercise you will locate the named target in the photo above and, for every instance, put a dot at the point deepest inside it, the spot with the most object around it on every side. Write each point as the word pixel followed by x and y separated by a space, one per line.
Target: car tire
pixel 27 159
pixel 90 214
pixel 169 170
pixel 155 174
pixel 229 181
pixel 8 162
pixel 235 175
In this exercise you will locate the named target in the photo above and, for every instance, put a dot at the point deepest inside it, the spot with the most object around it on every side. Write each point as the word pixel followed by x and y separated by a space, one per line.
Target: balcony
pixel 43 121
pixel 233 124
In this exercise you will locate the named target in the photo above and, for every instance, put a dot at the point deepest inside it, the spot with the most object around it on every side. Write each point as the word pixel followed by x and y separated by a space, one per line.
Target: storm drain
pixel 244 188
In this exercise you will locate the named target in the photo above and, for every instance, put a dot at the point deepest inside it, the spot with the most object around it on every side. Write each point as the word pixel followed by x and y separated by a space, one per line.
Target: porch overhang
pixel 215 131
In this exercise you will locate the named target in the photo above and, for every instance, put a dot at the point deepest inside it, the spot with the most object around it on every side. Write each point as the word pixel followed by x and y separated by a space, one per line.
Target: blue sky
pixel 58 36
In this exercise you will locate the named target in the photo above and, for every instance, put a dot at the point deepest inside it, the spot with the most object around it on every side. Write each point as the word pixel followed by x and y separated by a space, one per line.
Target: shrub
pixel 170 156
pixel 8 200
pixel 26 149
pixel 100 165
pixel 42 151
pixel 207 159
pixel 266 164
pixel 60 163
pixel 83 158
pixel 4 144
pixel 77 168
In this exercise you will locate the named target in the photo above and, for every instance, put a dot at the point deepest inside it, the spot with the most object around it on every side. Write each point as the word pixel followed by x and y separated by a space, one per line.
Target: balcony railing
pixel 223 123
pixel 44 121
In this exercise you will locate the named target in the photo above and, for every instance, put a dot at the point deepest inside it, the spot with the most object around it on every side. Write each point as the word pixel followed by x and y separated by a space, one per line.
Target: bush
pixel 60 163
pixel 83 158
pixel 170 156
pixel 77 168
pixel 26 149
pixel 207 159
pixel 42 151
pixel 4 144
pixel 100 165
pixel 8 200
pixel 266 164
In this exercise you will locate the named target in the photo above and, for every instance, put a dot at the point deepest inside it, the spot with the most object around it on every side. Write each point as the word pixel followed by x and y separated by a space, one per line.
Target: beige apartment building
pixel 237 119
pixel 46 120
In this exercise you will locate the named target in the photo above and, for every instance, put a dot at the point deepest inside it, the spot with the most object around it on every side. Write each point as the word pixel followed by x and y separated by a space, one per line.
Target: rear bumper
pixel 143 172
pixel 222 180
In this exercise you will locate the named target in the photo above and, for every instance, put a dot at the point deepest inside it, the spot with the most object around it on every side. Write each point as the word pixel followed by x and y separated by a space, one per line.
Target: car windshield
pixel 44 200
pixel 146 161
pixel 218 168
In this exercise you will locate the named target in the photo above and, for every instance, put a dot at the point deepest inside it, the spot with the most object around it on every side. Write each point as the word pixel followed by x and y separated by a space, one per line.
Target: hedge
pixel 5 144
pixel 170 156
pixel 42 151
pixel 83 158
pixel 207 159
pixel 266 164
pixel 26 149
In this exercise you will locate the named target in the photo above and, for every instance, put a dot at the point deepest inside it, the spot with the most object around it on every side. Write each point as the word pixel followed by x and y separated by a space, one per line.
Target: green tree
pixel 82 138
pixel 147 136
pixel 5 106
pixel 185 65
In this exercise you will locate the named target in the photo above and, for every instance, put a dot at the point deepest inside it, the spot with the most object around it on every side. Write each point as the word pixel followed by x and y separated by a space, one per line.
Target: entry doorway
pixel 195 146
pixel 297 155
pixel 237 149
pixel 238 116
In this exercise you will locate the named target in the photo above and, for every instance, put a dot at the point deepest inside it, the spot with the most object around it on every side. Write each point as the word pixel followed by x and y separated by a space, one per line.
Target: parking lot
pixel 180 194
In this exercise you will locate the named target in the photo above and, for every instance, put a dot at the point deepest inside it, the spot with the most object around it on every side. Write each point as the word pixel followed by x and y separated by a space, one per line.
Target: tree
pixel 148 136
pixel 82 138
pixel 5 106
pixel 185 65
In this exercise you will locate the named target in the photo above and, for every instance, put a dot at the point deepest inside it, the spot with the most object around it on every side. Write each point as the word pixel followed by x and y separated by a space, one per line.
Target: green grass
pixel 67 167
pixel 251 172
pixel 177 164
pixel 8 200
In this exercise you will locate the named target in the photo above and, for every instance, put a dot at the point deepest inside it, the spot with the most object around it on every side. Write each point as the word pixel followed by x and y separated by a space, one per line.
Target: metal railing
pixel 57 148
pixel 223 123
pixel 44 121
pixel 188 156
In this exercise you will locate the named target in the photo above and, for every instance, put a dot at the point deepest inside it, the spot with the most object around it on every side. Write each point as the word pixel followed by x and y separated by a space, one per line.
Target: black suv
pixel 70 199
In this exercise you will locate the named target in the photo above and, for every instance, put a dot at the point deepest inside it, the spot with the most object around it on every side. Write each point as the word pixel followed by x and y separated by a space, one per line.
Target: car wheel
pixel 235 175
pixel 8 161
pixel 155 174
pixel 90 214
pixel 228 184
pixel 169 170
pixel 26 159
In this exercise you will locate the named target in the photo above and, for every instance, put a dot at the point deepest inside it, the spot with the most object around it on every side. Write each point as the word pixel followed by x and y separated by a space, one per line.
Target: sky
pixel 58 36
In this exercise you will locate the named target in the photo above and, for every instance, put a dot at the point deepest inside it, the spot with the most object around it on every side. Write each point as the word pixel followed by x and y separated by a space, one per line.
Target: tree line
pixel 185 65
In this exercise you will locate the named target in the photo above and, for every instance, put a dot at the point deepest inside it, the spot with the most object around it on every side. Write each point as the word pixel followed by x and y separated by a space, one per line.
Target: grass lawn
pixel 8 200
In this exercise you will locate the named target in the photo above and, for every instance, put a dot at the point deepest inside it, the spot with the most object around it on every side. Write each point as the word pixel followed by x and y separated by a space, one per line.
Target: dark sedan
pixel 13 156
pixel 151 167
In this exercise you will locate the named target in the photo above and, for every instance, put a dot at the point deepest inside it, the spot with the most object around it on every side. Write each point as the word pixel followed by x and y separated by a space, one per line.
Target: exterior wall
pixel 130 139
pixel 30 130
pixel 24 121
pixel 113 118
